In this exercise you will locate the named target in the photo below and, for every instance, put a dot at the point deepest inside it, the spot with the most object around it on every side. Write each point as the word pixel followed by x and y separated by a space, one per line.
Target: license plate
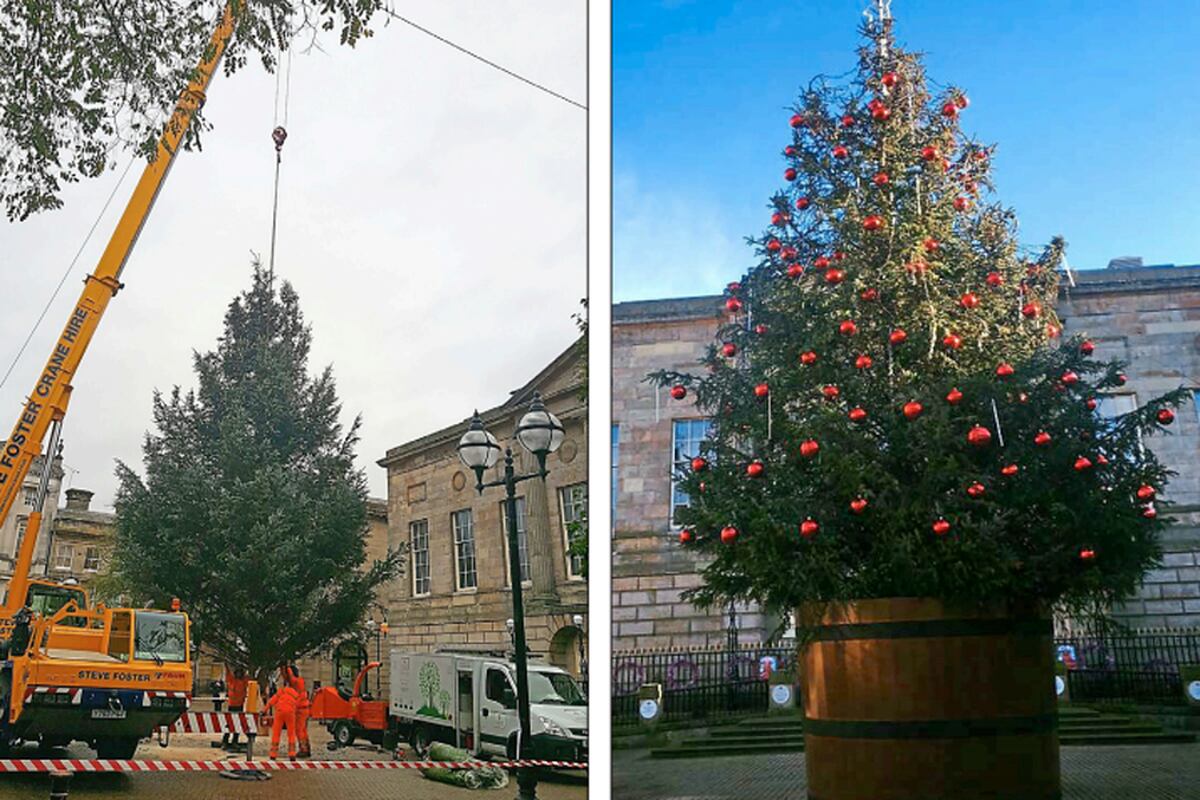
pixel 108 713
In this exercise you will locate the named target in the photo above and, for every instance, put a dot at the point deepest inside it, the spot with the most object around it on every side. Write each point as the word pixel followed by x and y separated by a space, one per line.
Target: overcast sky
pixel 432 220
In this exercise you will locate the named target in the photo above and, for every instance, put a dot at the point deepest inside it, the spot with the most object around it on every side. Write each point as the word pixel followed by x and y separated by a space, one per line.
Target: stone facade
pixel 1148 316
pixel 650 570
pixel 13 528
pixel 457 597
pixel 82 539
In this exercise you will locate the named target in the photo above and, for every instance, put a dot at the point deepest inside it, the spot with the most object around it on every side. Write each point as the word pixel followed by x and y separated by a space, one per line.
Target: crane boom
pixel 47 403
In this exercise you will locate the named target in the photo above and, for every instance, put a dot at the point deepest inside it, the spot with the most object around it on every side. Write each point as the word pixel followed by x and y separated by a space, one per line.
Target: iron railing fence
pixel 1162 651
pixel 1134 687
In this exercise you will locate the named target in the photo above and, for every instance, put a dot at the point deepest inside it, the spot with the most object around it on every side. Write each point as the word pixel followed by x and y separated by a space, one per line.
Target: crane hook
pixel 280 136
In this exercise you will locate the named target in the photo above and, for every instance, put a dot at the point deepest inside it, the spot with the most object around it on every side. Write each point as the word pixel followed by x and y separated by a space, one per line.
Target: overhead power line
pixel 489 62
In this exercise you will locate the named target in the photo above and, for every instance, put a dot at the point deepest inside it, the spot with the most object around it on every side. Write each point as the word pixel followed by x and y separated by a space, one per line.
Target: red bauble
pixel 808 357
pixel 880 179
pixel 1087 554
pixel 789 151
pixel 1042 439
pixel 847 328
pixel 889 79
pixel 774 246
pixel 950 110
pixel 699 464
pixel 857 414
pixel 912 409
pixel 1009 470
pixel 1091 404
pixel 847 121
pixel 994 279
pixel 961 203
pixel 1121 379
pixel 840 152
pixel 929 153
pixel 835 276
pixel 1150 512
pixel 1031 309
pixel 686 536
pixel 1069 378
pixel 1165 417
pixel 897 336
pixel 962 101
pixel 733 305
pixel 729 349
pixel 729 534
pixel 809 528
pixel 881 113
pixel 976 490
pixel 969 300
pixel 873 223
pixel 679 391
pixel 930 244
pixel 820 262
pixel 838 255
pixel 954 396
pixel 979 436
pixel 789 174
pixel 952 341
pixel 761 390
pixel 809 448
pixel 858 505
pixel 830 391
pixel 755 469
pixel 1053 331
pixel 1004 369
pixel 796 121
pixel 917 267
pixel 869 295
pixel 1087 348
pixel 802 203
pixel 1083 463
pixel 760 329
pixel 941 527
pixel 1145 492
pixel 795 271
pixel 778 219
pixel 863 362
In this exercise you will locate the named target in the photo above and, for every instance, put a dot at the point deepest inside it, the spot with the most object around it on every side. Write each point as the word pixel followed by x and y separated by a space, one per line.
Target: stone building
pixel 455 594
pixel 12 532
pixel 1146 315
pixel 82 539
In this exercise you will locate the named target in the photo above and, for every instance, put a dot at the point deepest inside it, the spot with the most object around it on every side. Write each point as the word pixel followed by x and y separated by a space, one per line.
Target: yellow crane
pixel 106 676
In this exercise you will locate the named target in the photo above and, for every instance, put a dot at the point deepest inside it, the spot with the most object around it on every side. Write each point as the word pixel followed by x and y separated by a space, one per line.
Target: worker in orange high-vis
pixel 236 683
pixel 292 677
pixel 283 705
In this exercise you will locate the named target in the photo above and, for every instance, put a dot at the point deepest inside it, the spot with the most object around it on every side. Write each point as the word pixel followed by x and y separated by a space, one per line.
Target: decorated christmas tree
pixel 895 411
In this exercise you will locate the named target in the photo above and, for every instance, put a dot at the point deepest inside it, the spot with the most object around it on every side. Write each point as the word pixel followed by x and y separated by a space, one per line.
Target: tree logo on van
pixel 430 683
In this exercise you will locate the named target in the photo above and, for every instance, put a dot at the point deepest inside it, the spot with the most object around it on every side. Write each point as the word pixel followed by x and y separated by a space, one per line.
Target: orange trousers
pixel 302 730
pixel 283 719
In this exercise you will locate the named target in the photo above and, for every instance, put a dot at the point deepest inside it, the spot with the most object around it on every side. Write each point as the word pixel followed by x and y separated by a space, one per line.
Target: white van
pixel 469 700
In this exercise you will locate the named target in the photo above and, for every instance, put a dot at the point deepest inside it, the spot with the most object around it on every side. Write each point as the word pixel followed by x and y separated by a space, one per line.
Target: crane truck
pixel 71 672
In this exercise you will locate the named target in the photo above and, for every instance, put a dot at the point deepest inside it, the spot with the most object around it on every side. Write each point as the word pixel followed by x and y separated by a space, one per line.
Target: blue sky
pixel 1092 104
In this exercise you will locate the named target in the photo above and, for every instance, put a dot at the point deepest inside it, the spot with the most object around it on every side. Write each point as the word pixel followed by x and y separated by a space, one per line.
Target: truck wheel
pixel 343 734
pixel 120 748
pixel 422 739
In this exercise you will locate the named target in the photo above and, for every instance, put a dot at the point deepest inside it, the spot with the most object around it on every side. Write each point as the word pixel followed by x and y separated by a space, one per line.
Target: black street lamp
pixel 540 433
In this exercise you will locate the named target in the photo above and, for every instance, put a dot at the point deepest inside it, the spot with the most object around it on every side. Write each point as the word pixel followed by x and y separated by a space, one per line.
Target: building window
pixel 30 495
pixel 573 501
pixel 616 436
pixel 418 533
pixel 687 437
pixel 464 548
pixel 91 559
pixel 522 540
pixel 64 557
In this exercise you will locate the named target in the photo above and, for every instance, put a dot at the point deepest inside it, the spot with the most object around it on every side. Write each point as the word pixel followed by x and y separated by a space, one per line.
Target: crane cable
pixel 279 136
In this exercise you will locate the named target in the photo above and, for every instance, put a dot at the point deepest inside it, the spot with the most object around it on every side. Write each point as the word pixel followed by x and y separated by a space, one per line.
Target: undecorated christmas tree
pixel 894 408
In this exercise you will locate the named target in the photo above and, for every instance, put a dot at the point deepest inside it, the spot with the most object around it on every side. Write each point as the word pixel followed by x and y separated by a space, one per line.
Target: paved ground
pixel 1156 772
pixel 394 784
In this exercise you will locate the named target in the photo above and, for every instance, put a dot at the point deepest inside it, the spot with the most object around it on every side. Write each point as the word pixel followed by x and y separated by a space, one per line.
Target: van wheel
pixel 422 740
pixel 343 734
pixel 119 748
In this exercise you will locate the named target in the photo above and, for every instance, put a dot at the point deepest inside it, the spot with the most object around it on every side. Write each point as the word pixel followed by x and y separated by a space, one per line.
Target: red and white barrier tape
pixel 215 722
pixel 113 765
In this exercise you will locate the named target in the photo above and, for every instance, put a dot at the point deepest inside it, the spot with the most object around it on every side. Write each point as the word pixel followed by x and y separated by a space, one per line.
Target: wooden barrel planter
pixel 906 699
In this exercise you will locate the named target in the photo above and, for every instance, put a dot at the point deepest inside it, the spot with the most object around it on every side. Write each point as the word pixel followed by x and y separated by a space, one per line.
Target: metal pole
pixel 60 783
pixel 526 777
pixel 53 449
